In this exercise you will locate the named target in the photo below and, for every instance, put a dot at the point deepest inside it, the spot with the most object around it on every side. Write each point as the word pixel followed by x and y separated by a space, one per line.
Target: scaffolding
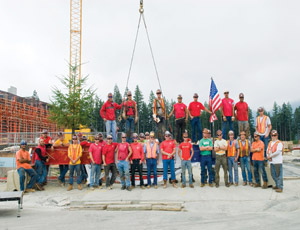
pixel 23 115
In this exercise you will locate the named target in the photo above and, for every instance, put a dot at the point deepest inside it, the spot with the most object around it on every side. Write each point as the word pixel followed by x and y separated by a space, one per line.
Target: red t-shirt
pixel 46 140
pixel 168 147
pixel 123 151
pixel 85 144
pixel 102 143
pixel 241 111
pixel 137 151
pixel 43 152
pixel 130 109
pixel 109 109
pixel 186 148
pixel 179 110
pixel 96 151
pixel 227 107
pixel 109 153
pixel 195 108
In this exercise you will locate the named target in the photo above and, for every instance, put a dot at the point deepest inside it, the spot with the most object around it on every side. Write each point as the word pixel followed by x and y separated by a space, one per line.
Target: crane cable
pixel 142 17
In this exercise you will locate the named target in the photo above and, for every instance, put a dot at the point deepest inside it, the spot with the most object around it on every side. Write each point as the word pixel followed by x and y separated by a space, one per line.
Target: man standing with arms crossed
pixel 227 110
pixel 241 109
pixel 130 115
pixel 194 110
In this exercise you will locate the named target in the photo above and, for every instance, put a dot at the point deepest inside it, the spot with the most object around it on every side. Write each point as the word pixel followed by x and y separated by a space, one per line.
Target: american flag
pixel 214 101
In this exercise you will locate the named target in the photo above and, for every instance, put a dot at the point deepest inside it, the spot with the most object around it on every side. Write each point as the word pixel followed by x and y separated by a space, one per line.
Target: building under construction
pixel 22 115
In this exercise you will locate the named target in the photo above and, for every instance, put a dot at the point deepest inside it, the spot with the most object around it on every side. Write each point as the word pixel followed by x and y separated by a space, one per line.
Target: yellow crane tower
pixel 75 38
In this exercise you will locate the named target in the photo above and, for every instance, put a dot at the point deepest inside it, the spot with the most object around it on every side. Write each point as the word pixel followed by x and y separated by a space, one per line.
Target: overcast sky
pixel 250 46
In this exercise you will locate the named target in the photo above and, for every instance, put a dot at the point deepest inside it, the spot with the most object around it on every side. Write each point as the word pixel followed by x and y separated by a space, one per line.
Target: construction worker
pixel 194 110
pixel 274 153
pixel 142 139
pixel 186 153
pixel 206 146
pixel 137 159
pixel 85 169
pixel 108 158
pixel 63 169
pixel 168 150
pixel 107 112
pixel 41 158
pixel 47 139
pixel 130 115
pixel 241 114
pixel 23 162
pixel 227 110
pixel 220 148
pixel 95 152
pixel 244 151
pixel 151 150
pixel 257 148
pixel 159 114
pixel 124 153
pixel 263 126
pixel 74 154
pixel 181 118
pixel 232 158
pixel 147 136
pixel 213 157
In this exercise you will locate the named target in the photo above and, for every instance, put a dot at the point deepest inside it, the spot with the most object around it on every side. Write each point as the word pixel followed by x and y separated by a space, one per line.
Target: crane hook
pixel 141 10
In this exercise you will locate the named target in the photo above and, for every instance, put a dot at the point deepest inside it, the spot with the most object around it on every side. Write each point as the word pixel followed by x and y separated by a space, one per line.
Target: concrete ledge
pixel 92 203
pixel 291 178
pixel 98 207
pixel 166 207
pixel 162 203
pixel 130 207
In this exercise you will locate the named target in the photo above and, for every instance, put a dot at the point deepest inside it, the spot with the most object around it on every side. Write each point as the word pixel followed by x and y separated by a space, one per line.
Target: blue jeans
pixel 95 174
pixel 41 170
pixel 234 165
pixel 206 161
pixel 259 166
pixel 166 165
pixel 123 168
pixel 129 126
pixel 63 169
pixel 245 163
pixel 266 142
pixel 111 127
pixel 151 165
pixel 77 169
pixel 224 126
pixel 84 175
pixel 276 171
pixel 186 165
pixel 196 126
pixel 32 175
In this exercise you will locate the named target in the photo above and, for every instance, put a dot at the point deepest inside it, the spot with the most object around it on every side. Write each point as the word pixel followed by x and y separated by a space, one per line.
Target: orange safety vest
pixel 261 125
pixel 231 150
pixel 242 148
pixel 162 105
pixel 274 147
pixel 151 152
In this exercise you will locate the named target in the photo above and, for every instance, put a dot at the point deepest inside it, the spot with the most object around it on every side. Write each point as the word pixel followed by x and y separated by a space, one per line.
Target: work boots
pixel 174 184
pixel 165 184
pixel 79 187
pixel 70 187
pixel 265 185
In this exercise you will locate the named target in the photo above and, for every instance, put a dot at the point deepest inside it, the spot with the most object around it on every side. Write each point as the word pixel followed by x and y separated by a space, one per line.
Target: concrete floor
pixel 241 207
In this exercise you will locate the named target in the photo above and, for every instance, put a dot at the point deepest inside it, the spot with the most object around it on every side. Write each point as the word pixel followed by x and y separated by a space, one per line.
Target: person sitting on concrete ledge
pixel 23 162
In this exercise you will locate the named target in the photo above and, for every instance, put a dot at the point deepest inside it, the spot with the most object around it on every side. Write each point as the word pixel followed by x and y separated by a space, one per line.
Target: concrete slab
pixel 167 207
pixel 130 207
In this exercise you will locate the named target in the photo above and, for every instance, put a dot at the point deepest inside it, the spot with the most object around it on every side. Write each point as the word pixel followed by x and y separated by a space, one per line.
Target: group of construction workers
pixel 134 149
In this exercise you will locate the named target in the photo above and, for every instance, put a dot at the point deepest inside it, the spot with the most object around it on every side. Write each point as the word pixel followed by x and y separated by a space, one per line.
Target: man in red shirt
pixel 186 153
pixel 130 115
pixel 41 158
pixel 194 110
pixel 107 112
pixel 137 160
pixel 95 151
pixel 227 110
pixel 123 154
pixel 108 158
pixel 85 169
pixel 168 150
pixel 241 114
pixel 181 117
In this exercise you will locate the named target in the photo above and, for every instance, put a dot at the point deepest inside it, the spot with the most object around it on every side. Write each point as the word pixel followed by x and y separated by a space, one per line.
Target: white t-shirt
pixel 276 156
pixel 220 143
pixel 268 122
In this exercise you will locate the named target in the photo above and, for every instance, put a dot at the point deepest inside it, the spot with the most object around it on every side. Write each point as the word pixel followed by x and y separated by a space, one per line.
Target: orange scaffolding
pixel 24 115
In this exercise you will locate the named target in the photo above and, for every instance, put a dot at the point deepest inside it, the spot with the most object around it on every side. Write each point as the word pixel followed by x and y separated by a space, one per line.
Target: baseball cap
pixel 109 136
pixel 226 91
pixel 230 132
pixel 260 109
pixel 179 96
pixel 152 134
pixel 205 130
pixel 274 132
pixel 158 91
pixel 195 95
pixel 23 142
pixel 167 133
pixel 45 131
pixel 241 95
